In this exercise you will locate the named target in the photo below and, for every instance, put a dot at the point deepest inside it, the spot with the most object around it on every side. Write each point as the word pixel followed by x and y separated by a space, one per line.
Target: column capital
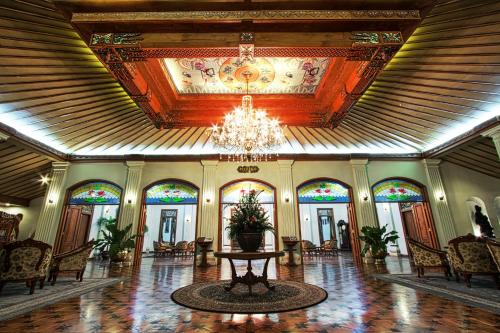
pixel 431 162
pixel 135 164
pixel 209 162
pixel 359 162
pixel 60 165
pixel 4 136
pixel 493 133
pixel 285 163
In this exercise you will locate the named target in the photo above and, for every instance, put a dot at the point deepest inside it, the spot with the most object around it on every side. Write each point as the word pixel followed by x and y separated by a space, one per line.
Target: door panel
pixel 424 225
pixel 70 229
pixel 83 230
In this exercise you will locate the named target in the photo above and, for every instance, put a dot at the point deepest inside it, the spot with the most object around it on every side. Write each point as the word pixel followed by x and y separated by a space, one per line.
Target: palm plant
pixel 115 240
pixel 376 240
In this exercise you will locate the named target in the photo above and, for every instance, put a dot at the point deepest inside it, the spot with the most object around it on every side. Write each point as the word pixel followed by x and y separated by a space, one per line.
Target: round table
pixel 249 278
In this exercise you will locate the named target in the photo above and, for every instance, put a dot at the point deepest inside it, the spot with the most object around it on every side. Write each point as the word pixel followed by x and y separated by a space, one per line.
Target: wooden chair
pixel 26 261
pixel 308 248
pixel 191 248
pixel 494 248
pixel 469 256
pixel 161 249
pixel 72 261
pixel 9 227
pixel 181 248
pixel 427 257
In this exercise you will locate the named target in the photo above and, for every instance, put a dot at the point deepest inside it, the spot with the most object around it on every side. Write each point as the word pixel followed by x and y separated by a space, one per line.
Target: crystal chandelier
pixel 247 134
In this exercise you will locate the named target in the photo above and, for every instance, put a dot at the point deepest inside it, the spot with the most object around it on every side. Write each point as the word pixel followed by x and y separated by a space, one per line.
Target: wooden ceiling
pixel 54 89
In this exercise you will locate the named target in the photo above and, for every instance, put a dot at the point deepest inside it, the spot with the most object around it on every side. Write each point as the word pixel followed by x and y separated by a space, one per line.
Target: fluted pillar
pixel 365 207
pixel 131 202
pixel 48 220
pixel 494 134
pixel 438 196
pixel 209 221
pixel 287 223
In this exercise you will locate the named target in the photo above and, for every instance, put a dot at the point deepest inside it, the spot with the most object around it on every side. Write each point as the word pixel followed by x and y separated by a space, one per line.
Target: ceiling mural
pixel 227 75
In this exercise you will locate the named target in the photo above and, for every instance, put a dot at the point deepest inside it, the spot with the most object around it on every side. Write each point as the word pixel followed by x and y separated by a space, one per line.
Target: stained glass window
pixel 397 190
pixel 323 192
pixel 96 193
pixel 232 193
pixel 171 193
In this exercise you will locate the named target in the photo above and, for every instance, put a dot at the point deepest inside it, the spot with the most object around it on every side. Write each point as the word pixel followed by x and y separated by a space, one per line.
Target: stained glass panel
pixel 232 193
pixel 397 190
pixel 96 193
pixel 171 193
pixel 323 192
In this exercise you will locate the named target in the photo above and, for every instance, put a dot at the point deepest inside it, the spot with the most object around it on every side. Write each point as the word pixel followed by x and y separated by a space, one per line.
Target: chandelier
pixel 247 134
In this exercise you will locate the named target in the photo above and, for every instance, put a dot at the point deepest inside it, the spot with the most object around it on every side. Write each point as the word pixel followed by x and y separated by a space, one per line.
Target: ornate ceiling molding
pixel 330 15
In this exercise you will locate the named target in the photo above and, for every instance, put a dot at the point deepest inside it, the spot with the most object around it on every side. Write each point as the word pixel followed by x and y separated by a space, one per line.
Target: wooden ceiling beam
pixel 7 199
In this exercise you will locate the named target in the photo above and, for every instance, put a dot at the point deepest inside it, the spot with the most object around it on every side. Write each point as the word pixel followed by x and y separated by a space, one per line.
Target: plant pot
pixel 380 261
pixel 249 241
pixel 120 256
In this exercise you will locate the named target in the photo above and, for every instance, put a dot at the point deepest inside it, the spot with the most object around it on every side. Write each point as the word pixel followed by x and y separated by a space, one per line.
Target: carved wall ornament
pixel 362 38
pixel 248 169
pixel 109 38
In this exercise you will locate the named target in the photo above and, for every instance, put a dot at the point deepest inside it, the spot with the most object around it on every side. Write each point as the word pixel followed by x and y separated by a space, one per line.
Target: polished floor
pixel 356 303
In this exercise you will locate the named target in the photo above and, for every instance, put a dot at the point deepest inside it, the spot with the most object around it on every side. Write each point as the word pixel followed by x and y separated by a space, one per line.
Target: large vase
pixel 249 241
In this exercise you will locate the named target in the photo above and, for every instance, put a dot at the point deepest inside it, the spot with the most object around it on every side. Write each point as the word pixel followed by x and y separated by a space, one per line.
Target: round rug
pixel 211 296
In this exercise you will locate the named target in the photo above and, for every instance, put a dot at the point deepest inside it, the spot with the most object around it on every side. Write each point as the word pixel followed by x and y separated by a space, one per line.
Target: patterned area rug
pixel 483 294
pixel 15 299
pixel 287 296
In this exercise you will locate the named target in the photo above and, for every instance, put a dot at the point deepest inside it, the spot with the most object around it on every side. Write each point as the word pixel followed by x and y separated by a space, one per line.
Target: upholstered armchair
pixel 191 248
pixel 427 257
pixel 27 261
pixel 329 247
pixel 161 249
pixel 72 261
pixel 181 248
pixel 469 256
pixel 494 248
pixel 308 247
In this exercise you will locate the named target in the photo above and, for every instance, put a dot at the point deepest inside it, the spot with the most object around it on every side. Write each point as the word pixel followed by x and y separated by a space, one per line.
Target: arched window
pixel 173 193
pixel 323 191
pixel 96 193
pixel 397 190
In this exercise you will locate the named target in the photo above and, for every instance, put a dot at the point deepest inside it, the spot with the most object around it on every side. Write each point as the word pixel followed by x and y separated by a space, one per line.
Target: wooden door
pixel 424 225
pixel 83 230
pixel 409 224
pixel 70 229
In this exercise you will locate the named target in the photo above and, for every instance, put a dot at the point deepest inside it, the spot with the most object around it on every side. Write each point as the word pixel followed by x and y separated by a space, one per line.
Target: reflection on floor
pixel 356 303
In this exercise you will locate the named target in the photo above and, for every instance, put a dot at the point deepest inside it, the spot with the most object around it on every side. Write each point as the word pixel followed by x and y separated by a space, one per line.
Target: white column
pixel 494 134
pixel 365 207
pixel 131 197
pixel 438 197
pixel 287 224
pixel 49 218
pixel 209 221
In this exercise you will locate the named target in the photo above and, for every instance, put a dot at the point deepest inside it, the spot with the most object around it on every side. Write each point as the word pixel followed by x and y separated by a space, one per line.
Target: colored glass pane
pixel 232 193
pixel 396 190
pixel 171 193
pixel 323 192
pixel 96 193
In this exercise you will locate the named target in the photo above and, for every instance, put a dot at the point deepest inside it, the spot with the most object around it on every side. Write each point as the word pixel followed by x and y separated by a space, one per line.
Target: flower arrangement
pixel 249 216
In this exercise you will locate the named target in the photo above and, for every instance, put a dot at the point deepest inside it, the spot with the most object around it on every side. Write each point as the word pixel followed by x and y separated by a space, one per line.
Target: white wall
pixel 185 231
pixel 461 184
pixel 309 230
pixel 30 217
pixel 388 213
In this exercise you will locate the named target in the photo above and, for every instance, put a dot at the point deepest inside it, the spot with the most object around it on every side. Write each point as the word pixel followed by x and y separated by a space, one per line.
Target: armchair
pixel 161 249
pixel 72 261
pixel 191 248
pixel 308 247
pixel 26 260
pixel 427 257
pixel 469 255
pixel 329 247
pixel 181 248
pixel 494 248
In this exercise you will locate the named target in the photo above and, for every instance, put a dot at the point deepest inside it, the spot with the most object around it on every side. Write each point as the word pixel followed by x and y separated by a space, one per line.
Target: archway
pixel 403 205
pixel 471 210
pixel 170 212
pixel 86 205
pixel 326 213
pixel 230 194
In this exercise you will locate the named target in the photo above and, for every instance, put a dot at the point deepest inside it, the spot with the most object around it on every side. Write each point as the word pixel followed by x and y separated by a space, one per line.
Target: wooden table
pixel 249 278
pixel 290 248
pixel 204 247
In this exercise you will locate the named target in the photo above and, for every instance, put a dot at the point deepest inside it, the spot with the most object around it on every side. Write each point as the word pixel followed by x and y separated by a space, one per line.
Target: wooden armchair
pixel 181 248
pixel 9 227
pixel 161 249
pixel 191 248
pixel 308 247
pixel 27 261
pixel 494 248
pixel 72 261
pixel 329 247
pixel 427 257
pixel 469 256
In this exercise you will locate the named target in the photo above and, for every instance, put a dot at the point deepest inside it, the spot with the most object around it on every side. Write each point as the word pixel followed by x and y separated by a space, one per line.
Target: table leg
pixel 233 276
pixel 264 276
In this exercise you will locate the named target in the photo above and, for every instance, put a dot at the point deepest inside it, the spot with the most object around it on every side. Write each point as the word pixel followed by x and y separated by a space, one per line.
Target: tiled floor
pixel 356 303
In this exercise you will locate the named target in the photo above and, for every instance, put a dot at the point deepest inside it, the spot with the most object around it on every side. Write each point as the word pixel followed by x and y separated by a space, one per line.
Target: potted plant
pixel 376 240
pixel 115 242
pixel 248 222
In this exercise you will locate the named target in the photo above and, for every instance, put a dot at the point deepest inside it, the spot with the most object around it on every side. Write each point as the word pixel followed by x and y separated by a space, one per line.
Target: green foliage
pixel 376 240
pixel 249 216
pixel 114 239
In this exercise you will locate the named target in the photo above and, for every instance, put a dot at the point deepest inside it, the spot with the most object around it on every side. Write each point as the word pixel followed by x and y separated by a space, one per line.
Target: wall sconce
pixel 306 218
pixel 441 197
pixel 287 200
pixel 208 200
pixel 51 201
pixel 7 204
pixel 188 219
pixel 364 196
pixel 129 201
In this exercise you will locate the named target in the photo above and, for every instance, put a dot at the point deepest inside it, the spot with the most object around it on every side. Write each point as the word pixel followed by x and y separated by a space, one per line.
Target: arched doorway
pixel 471 203
pixel 170 212
pixel 86 205
pixel 230 194
pixel 403 205
pixel 326 213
